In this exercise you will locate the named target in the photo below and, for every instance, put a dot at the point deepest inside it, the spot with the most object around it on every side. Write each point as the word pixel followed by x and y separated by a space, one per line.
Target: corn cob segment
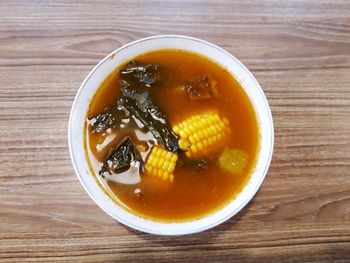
pixel 161 163
pixel 202 133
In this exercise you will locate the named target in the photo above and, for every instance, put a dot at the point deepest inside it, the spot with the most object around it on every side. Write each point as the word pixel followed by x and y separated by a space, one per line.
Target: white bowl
pixel 125 53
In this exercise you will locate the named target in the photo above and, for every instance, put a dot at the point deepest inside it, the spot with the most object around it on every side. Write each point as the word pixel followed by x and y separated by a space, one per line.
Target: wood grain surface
pixel 298 50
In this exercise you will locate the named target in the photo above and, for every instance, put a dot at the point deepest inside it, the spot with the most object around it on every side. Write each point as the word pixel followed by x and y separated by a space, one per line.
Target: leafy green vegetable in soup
pixel 140 104
pixel 120 158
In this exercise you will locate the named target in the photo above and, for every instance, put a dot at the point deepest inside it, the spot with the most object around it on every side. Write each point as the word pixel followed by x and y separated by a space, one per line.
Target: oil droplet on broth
pixel 130 176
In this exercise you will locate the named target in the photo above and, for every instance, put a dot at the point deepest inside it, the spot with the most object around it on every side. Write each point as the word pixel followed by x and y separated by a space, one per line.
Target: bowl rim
pixel 252 193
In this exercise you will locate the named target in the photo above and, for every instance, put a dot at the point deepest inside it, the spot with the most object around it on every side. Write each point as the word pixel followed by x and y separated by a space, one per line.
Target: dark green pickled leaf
pixel 120 158
pixel 146 74
pixel 142 107
pixel 103 121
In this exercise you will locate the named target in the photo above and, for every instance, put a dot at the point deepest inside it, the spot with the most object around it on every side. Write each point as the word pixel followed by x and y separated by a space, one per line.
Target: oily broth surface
pixel 192 194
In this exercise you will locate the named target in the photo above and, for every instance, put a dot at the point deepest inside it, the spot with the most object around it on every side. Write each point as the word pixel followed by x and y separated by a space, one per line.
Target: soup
pixel 171 136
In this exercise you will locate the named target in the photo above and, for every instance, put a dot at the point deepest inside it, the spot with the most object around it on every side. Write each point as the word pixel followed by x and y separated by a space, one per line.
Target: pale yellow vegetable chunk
pixel 233 160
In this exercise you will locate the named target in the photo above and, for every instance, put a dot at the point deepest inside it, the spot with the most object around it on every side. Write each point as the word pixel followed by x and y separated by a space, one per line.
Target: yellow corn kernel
pixel 165 165
pixel 201 133
pixel 168 155
pixel 205 143
pixel 184 144
pixel 156 153
pixel 211 119
pixel 200 146
pixel 182 134
pixel 191 139
pixel 165 175
pixel 156 162
pixel 173 158
pixel 150 160
pixel 176 129
pixel 187 131
pixel 170 167
pixel 196 125
pixel 161 163
pixel 196 137
pixel 201 124
pixel 191 128
pixel 193 148
pixel 213 129
pixel 205 133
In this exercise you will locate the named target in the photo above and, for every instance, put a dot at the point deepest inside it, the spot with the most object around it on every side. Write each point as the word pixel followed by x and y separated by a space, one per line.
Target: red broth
pixel 193 193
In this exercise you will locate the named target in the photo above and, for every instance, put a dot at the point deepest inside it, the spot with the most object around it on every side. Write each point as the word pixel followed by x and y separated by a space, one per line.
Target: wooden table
pixel 298 50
